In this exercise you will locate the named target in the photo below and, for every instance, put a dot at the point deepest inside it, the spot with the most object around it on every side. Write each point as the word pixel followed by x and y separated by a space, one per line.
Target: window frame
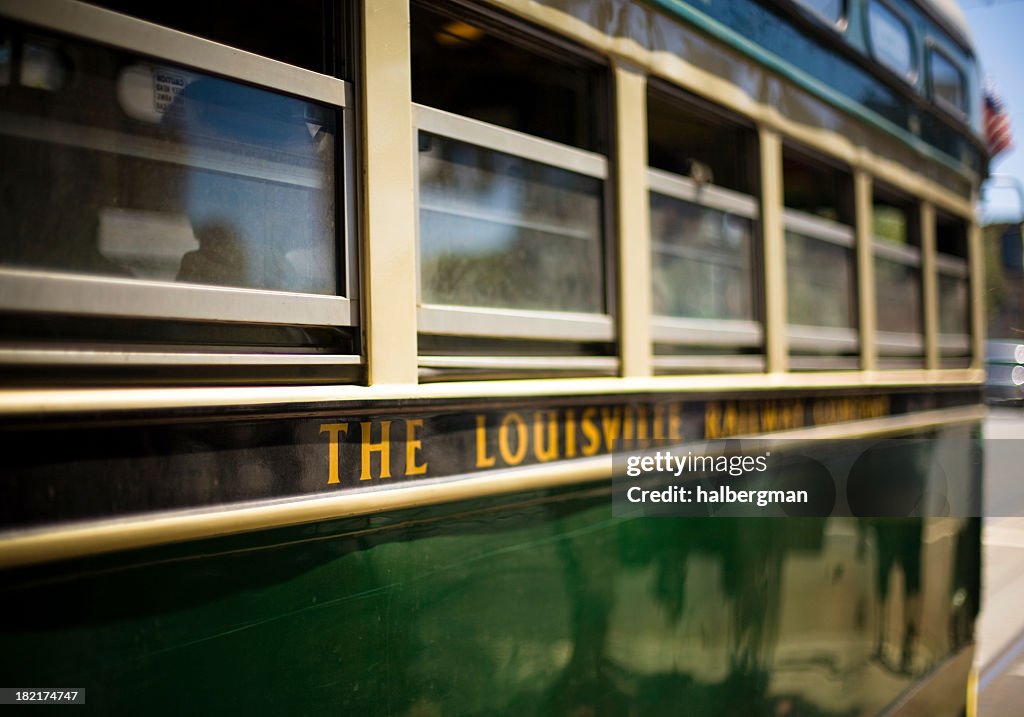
pixel 839 24
pixel 806 337
pixel 690 331
pixel 959 344
pixel 897 347
pixel 504 322
pixel 931 50
pixel 68 293
pixel 913 71
pixel 899 343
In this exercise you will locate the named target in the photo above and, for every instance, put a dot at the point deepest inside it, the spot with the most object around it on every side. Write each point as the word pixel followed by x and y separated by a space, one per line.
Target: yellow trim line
pixel 36 402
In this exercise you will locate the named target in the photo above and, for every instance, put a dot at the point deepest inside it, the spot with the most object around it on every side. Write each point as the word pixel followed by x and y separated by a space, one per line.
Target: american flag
pixel 998 136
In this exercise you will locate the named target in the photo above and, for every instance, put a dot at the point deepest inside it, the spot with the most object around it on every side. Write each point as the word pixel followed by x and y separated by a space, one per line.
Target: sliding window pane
pixel 831 10
pixel 819 278
pixel 947 81
pixel 899 296
pixel 701 261
pixel 953 305
pixel 119 166
pixel 505 232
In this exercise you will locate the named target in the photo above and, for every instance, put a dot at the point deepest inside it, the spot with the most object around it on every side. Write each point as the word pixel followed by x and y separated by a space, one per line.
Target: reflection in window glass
pixel 476 70
pixel 817 188
pixel 891 42
pixel 829 9
pixel 6 59
pixel 153 172
pixel 889 223
pixel 701 261
pixel 42 67
pixel 819 278
pixel 947 80
pixel 953 305
pixel 898 296
pixel 686 140
pixel 506 232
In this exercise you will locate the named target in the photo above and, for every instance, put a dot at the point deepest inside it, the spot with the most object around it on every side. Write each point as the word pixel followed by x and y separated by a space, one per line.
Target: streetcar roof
pixel 950 13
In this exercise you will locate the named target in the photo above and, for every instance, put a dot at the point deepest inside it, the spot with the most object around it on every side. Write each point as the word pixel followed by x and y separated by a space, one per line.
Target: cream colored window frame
pixel 731 333
pixel 954 344
pixel 75 294
pixel 814 338
pixel 893 343
pixel 499 322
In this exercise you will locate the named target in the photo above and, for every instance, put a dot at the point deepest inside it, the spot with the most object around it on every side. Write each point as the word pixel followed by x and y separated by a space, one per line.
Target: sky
pixel 998 30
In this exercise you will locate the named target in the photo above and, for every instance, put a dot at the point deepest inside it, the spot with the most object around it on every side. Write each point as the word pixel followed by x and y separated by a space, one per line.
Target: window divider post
pixel 633 237
pixel 774 251
pixel 930 284
pixel 866 301
pixel 389 217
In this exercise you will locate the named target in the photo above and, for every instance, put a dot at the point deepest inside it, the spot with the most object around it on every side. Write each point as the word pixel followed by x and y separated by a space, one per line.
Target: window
pixel 898 298
pixel 946 81
pixel 820 281
pixel 172 192
pixel 953 288
pixel 512 175
pixel 891 40
pixel 831 10
pixel 703 221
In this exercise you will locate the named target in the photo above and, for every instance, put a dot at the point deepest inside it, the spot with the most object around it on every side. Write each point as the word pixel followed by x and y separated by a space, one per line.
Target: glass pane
pixel 890 223
pixel 819 282
pixel 953 305
pixel 890 39
pixel 700 261
pixel 115 166
pixel 505 232
pixel 506 77
pixel 5 59
pixel 829 9
pixel 690 141
pixel 898 296
pixel 947 81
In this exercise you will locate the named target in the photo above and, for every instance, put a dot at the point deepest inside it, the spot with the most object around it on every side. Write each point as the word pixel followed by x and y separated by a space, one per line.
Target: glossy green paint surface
pixel 537 604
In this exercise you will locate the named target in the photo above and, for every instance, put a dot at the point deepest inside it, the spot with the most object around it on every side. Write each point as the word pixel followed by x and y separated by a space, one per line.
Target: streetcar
pixel 327 325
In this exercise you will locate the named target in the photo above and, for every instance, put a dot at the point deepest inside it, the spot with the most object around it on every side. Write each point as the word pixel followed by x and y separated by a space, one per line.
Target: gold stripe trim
pixel 36 402
pixel 110 536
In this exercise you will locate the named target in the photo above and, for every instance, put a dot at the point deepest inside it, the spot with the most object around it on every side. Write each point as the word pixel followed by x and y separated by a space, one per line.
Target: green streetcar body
pixel 242 477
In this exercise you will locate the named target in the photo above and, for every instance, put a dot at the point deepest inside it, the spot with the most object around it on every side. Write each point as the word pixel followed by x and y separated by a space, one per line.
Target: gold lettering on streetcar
pixel 551 434
pixel 482 459
pixel 332 430
pixel 412 446
pixel 675 422
pixel 611 425
pixel 712 419
pixel 550 425
pixel 504 447
pixel 570 433
pixel 628 423
pixel 369 448
pixel 591 434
